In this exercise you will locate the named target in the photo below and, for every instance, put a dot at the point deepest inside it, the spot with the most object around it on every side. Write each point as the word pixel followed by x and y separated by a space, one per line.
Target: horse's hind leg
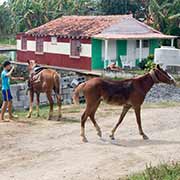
pixel 138 119
pixel 31 98
pixel 124 111
pixel 49 96
pixel 92 117
pixel 59 106
pixel 37 104
pixel 83 120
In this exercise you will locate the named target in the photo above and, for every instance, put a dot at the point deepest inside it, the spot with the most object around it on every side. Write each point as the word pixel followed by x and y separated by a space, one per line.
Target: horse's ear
pixel 158 66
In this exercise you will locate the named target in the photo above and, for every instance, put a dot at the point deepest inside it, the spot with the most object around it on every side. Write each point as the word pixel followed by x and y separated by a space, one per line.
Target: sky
pixel 1 1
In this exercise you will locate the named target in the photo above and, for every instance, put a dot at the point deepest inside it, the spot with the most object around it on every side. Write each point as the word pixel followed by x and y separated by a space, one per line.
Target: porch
pixel 127 52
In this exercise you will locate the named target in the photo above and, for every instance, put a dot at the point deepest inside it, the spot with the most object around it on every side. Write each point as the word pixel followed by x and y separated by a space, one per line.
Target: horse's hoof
pixel 49 118
pixel 99 134
pixel 28 116
pixel 145 137
pixel 84 139
pixel 59 118
pixel 112 137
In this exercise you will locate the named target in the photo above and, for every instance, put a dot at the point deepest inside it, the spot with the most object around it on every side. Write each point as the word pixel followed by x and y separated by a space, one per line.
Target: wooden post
pixel 106 53
pixel 140 50
pixel 172 42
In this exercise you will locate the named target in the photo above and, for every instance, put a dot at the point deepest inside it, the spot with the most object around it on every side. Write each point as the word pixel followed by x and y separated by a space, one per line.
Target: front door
pixel 131 53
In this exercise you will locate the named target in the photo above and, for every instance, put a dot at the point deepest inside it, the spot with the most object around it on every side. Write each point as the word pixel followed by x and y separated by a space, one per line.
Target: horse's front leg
pixel 37 103
pixel 31 98
pixel 51 102
pixel 138 119
pixel 124 111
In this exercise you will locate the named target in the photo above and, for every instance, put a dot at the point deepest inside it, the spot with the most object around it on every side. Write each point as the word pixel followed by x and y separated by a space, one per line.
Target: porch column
pixel 140 50
pixel 106 53
pixel 172 42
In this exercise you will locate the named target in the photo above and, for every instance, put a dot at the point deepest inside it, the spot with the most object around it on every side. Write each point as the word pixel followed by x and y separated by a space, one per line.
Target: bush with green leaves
pixel 161 172
pixel 147 63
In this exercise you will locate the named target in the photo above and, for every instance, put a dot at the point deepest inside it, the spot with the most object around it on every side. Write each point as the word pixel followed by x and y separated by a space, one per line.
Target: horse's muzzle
pixel 173 82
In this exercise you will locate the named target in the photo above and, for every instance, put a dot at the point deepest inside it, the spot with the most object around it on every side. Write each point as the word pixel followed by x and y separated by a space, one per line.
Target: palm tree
pixel 165 14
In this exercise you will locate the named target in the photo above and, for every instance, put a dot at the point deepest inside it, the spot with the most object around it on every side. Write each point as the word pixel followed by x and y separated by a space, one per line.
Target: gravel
pixel 163 93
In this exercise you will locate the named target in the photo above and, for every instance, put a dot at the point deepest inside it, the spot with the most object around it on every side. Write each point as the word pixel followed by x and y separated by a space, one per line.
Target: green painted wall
pixel 97 62
pixel 121 46
pixel 153 43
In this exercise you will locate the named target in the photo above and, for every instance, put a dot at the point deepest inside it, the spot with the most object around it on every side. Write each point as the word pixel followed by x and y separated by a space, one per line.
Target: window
pixel 53 40
pixel 39 44
pixel 23 42
pixel 75 48
pixel 145 44
pixel 137 43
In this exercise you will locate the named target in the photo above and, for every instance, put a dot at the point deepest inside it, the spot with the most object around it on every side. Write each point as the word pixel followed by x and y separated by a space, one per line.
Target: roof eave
pixel 133 38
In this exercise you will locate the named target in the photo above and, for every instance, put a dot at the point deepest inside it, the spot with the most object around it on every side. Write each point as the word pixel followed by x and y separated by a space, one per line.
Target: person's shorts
pixel 6 95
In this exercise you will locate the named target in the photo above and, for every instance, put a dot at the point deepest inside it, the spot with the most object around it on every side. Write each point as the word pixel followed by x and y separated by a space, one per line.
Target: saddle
pixel 35 77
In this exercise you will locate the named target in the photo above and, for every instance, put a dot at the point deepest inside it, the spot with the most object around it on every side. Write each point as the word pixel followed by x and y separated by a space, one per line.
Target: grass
pixel 161 172
pixel 44 112
pixel 161 104
pixel 6 41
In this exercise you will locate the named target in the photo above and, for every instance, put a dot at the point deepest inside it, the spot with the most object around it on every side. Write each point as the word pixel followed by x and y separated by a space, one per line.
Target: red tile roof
pixel 101 27
pixel 76 26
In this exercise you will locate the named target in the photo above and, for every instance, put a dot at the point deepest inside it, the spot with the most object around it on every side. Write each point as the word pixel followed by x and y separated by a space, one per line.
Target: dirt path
pixel 44 150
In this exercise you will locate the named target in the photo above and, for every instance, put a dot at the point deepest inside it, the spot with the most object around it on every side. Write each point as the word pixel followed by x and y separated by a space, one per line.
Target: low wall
pixel 21 98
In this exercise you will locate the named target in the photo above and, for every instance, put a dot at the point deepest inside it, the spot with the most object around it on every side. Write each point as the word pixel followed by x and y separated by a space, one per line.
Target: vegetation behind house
pixel 20 15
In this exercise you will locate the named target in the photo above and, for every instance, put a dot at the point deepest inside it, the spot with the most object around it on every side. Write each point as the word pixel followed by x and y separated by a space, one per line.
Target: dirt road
pixel 50 150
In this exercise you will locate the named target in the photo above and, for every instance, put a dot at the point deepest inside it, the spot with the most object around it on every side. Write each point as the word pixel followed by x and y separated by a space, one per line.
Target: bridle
pixel 154 76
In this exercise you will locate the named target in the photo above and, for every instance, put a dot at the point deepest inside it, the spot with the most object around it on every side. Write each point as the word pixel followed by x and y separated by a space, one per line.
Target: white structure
pixel 167 56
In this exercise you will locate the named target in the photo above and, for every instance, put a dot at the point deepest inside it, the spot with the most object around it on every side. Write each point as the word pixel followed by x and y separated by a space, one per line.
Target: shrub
pixel 162 172
pixel 147 63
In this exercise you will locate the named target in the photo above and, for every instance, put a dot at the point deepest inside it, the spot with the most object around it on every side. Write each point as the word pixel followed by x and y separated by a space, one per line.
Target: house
pixel 89 42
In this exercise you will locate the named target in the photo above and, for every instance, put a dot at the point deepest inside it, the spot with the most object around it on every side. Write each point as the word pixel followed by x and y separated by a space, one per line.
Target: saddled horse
pixel 128 93
pixel 45 81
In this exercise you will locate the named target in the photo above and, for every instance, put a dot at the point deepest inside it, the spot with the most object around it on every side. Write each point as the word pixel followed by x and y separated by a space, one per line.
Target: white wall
pixel 18 44
pixel 59 48
pixel 145 53
pixel 112 54
pixel 131 53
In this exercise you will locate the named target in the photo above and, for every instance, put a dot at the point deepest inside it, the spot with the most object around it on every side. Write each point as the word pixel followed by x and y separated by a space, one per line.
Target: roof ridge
pixel 145 25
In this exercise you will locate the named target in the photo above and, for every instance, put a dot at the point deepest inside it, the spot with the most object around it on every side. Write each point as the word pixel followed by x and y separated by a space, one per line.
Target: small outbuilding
pixel 89 42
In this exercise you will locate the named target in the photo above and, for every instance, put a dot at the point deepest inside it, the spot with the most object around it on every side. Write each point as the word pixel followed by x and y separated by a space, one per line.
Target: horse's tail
pixel 77 90
pixel 56 83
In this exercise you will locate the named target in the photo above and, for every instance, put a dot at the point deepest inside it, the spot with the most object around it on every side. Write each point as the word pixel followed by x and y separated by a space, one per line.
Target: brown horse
pixel 129 93
pixel 44 81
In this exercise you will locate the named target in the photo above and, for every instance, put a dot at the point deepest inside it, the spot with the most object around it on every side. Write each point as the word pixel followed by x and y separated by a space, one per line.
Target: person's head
pixel 31 64
pixel 7 65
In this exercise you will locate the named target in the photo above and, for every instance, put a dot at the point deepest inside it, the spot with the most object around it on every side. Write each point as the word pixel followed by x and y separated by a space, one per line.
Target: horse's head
pixel 31 64
pixel 160 75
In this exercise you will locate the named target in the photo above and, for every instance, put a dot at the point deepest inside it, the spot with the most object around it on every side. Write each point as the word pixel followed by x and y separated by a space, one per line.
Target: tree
pixel 109 7
pixel 166 15
pixel 5 20
pixel 27 14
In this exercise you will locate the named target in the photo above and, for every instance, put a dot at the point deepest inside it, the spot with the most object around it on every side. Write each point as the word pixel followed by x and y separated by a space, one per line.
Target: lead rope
pixel 154 77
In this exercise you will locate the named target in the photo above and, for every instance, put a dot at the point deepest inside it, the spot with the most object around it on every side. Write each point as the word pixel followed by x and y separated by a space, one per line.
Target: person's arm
pixel 17 78
pixel 10 72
